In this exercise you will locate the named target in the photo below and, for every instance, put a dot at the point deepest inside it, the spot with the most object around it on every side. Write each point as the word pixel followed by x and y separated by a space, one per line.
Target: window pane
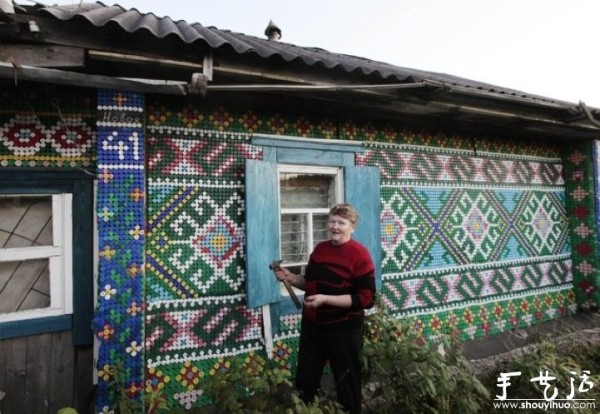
pixel 24 285
pixel 320 228
pixel 25 221
pixel 307 190
pixel 294 235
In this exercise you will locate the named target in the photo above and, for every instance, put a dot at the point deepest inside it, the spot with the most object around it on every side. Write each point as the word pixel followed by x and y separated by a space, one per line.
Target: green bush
pixel 267 389
pixel 408 374
pixel 404 373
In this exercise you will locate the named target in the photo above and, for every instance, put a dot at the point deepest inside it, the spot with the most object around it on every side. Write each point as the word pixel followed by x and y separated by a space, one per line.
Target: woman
pixel 339 284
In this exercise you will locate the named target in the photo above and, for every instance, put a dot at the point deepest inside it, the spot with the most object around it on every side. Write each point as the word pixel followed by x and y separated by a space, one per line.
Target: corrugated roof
pixel 132 21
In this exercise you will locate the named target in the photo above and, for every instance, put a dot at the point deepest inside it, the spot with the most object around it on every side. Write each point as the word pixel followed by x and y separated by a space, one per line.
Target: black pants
pixel 341 346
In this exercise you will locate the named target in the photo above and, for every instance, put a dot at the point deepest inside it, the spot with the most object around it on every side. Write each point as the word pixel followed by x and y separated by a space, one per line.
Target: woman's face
pixel 340 229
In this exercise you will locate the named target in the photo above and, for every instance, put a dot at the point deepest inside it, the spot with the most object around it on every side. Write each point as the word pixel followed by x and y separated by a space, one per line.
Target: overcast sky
pixel 543 47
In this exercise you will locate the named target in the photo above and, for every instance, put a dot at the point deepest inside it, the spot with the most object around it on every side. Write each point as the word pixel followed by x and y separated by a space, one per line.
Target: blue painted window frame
pixel 80 184
pixel 361 189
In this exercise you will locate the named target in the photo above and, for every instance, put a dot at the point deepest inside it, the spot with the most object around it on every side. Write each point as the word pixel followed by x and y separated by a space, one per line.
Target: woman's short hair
pixel 346 211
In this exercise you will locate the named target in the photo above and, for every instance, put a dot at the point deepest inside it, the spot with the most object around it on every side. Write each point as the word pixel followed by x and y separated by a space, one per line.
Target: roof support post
pixel 207 65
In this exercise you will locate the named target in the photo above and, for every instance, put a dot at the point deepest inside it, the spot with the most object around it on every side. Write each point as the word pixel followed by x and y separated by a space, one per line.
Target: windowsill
pixel 35 326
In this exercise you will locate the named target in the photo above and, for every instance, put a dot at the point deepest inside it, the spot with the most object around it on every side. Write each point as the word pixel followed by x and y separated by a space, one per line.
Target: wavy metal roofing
pixel 132 20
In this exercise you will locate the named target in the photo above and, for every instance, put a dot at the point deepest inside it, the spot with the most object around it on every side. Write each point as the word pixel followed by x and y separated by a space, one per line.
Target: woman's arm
pixel 295 280
pixel 338 301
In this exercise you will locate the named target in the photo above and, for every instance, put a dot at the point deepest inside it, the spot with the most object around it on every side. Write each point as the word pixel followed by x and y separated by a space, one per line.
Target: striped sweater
pixel 340 270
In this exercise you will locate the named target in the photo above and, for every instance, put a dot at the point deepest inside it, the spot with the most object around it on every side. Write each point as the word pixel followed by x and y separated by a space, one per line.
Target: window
pixel 305 195
pixel 35 256
pixel 288 196
pixel 46 265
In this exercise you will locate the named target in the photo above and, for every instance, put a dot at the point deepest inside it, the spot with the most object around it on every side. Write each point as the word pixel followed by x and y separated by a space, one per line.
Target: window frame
pixel 78 290
pixel 334 171
pixel 59 256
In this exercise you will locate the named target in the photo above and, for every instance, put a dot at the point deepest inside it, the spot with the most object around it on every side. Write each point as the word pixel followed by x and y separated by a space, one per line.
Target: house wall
pixel 46 128
pixel 580 162
pixel 480 234
pixel 196 318
pixel 476 236
pixel 42 373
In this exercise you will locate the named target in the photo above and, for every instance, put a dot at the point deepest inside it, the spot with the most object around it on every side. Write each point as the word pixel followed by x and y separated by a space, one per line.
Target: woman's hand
pixel 315 301
pixel 283 274
pixel 338 301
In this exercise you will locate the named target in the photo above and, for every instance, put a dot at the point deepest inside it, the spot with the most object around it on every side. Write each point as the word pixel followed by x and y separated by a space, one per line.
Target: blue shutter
pixel 362 190
pixel 262 232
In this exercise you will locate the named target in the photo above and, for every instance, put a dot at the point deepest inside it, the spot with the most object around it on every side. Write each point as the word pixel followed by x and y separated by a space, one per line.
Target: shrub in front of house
pixel 405 372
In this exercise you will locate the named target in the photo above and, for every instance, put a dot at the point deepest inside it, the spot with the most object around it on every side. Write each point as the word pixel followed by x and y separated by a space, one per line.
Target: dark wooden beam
pixel 431 117
pixel 62 77
pixel 47 56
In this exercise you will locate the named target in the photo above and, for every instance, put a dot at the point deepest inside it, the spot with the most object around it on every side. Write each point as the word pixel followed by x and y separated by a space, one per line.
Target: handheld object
pixel 273 266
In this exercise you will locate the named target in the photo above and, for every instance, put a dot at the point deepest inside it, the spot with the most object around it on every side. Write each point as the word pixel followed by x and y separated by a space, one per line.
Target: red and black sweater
pixel 340 270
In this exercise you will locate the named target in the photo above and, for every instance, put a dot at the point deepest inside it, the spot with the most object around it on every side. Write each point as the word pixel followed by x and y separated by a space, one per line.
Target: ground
pixel 488 352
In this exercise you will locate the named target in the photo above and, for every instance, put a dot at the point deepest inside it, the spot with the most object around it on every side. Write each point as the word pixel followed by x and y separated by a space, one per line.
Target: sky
pixel 541 47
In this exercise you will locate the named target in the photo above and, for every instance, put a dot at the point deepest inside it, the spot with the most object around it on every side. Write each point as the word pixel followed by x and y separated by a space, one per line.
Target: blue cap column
pixel 118 321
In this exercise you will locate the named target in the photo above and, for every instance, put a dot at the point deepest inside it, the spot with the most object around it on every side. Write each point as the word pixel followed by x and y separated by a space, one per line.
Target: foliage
pixel 404 372
pixel 237 388
pixel 153 402
pixel 263 389
pixel 67 410
pixel 407 373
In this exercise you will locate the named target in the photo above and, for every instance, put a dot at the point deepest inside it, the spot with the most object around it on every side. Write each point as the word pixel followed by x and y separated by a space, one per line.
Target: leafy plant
pixel 67 410
pixel 404 372
pixel 150 402
pixel 407 373
pixel 268 389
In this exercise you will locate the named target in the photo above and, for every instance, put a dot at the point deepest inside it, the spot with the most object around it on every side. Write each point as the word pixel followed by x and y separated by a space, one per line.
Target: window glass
pixel 24 285
pixel 296 244
pixel 294 235
pixel 306 190
pixel 320 228
pixel 25 221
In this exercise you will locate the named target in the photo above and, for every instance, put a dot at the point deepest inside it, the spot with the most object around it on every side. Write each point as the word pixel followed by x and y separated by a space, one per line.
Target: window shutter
pixel 362 190
pixel 262 232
